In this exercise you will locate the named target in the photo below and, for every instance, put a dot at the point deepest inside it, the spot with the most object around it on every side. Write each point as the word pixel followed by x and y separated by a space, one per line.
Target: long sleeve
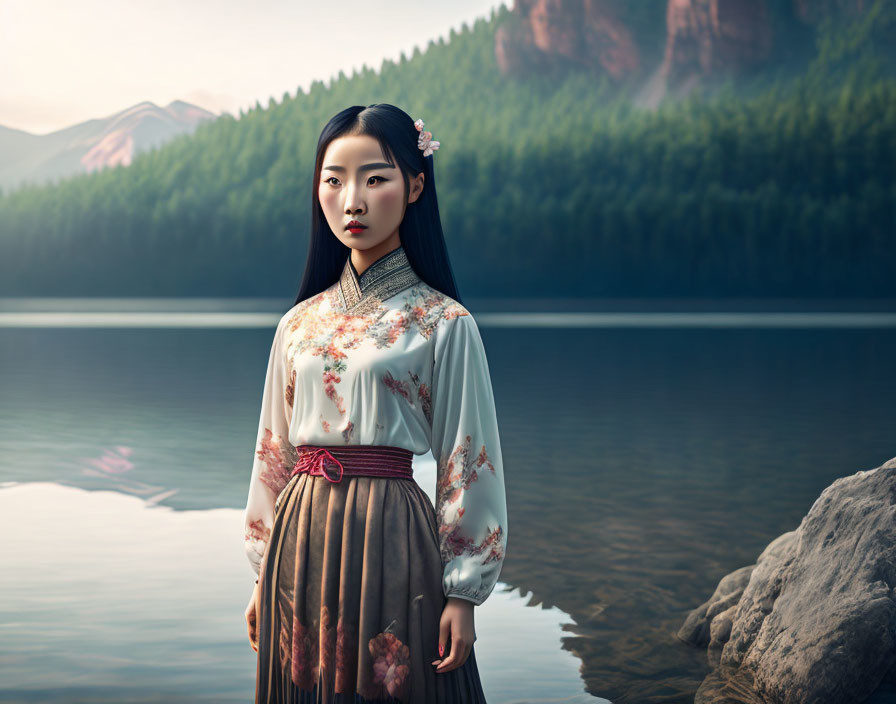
pixel 471 506
pixel 274 454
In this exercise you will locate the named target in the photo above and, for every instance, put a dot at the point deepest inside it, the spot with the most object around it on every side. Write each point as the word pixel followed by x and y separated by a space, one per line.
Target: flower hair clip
pixel 425 140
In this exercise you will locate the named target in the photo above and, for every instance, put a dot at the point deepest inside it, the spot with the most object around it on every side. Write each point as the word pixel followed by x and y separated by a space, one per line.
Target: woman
pixel 366 591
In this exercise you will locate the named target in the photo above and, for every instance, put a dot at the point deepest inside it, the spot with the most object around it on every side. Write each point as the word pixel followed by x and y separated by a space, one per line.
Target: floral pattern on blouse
pixel 420 394
pixel 454 478
pixel 332 334
pixel 279 457
pixel 290 389
pixel 385 359
pixel 258 532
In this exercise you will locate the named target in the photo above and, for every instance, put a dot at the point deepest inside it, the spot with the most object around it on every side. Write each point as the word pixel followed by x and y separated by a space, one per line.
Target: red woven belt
pixel 334 461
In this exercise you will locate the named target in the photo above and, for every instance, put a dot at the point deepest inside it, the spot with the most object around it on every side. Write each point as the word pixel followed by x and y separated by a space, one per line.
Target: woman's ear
pixel 416 188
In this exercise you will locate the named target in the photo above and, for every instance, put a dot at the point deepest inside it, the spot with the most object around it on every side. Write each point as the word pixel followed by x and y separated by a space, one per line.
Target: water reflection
pixel 111 467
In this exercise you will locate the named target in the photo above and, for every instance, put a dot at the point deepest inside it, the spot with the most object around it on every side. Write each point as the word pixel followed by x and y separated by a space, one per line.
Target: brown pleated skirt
pixel 351 597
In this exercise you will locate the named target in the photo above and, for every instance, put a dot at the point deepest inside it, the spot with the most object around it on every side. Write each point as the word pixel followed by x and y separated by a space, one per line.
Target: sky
pixel 64 61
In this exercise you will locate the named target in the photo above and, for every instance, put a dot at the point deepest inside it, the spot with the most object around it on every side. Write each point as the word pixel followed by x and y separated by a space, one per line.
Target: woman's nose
pixel 352 200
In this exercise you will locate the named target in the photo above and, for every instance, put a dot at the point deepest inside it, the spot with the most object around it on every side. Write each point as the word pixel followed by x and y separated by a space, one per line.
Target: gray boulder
pixel 814 620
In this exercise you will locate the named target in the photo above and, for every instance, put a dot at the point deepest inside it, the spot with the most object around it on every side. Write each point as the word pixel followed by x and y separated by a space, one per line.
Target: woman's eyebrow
pixel 365 167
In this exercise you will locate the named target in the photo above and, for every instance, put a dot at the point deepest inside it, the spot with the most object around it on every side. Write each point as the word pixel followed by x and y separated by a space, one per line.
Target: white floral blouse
pixel 385 359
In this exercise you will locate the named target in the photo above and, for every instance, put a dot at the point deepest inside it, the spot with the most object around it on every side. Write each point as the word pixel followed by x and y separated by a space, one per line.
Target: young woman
pixel 366 591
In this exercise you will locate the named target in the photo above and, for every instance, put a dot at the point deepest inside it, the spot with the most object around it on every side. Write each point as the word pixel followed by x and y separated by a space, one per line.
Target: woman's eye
pixel 333 178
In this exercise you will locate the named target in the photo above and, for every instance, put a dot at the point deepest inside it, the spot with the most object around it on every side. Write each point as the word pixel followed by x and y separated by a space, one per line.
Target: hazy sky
pixel 66 61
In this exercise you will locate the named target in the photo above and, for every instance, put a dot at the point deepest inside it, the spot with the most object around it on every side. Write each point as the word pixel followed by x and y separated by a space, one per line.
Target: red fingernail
pixel 441 648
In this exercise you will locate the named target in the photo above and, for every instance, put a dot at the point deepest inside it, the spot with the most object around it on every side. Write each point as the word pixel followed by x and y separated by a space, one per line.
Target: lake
pixel 650 448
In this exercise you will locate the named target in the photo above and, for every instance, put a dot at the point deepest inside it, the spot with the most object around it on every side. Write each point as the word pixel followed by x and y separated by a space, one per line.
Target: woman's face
pixel 356 183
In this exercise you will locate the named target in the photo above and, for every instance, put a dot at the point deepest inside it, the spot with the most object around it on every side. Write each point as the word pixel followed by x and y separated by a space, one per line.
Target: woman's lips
pixel 355 229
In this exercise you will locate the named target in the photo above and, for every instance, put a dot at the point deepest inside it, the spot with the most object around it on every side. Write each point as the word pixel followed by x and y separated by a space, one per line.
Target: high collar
pixel 387 276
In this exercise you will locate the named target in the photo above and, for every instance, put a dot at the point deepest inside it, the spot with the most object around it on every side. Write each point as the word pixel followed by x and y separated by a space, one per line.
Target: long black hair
pixel 420 230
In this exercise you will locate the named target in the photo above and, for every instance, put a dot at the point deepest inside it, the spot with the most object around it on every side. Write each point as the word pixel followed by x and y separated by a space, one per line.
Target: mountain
pixel 94 144
pixel 550 184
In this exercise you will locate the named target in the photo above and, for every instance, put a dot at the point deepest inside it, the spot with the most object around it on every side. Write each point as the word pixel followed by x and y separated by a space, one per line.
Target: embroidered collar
pixel 387 276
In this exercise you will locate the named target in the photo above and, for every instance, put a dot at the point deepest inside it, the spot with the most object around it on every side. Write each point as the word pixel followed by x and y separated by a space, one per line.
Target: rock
pixel 814 620
pixel 704 39
pixel 712 37
pixel 697 629
pixel 544 34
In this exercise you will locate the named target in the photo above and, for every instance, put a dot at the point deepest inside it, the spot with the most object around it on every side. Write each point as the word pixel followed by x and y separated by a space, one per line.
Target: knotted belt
pixel 335 461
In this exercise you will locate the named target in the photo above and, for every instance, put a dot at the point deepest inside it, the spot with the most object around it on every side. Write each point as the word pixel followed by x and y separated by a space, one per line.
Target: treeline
pixel 546 186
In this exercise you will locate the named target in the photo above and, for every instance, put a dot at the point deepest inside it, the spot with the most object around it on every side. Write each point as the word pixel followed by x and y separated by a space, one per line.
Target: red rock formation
pixel 586 33
pixel 706 37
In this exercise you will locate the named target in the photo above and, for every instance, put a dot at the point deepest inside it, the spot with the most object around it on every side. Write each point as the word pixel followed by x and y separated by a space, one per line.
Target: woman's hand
pixel 456 623
pixel 252 618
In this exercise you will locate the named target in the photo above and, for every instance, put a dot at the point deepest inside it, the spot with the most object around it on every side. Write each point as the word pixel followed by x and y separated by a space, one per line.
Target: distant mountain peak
pixel 96 143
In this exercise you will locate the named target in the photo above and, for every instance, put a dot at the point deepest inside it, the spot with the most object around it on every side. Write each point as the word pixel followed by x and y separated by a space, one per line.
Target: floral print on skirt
pixel 351 597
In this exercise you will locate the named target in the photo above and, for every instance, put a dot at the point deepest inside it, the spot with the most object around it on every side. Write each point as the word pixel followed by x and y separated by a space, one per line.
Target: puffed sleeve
pixel 471 506
pixel 274 454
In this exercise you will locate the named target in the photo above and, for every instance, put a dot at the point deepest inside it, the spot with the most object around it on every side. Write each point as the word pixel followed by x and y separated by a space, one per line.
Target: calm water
pixel 644 459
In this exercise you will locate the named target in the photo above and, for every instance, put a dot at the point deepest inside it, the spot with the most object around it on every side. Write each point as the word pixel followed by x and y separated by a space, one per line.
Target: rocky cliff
pixel 707 37
pixel 587 33
pixel 702 39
